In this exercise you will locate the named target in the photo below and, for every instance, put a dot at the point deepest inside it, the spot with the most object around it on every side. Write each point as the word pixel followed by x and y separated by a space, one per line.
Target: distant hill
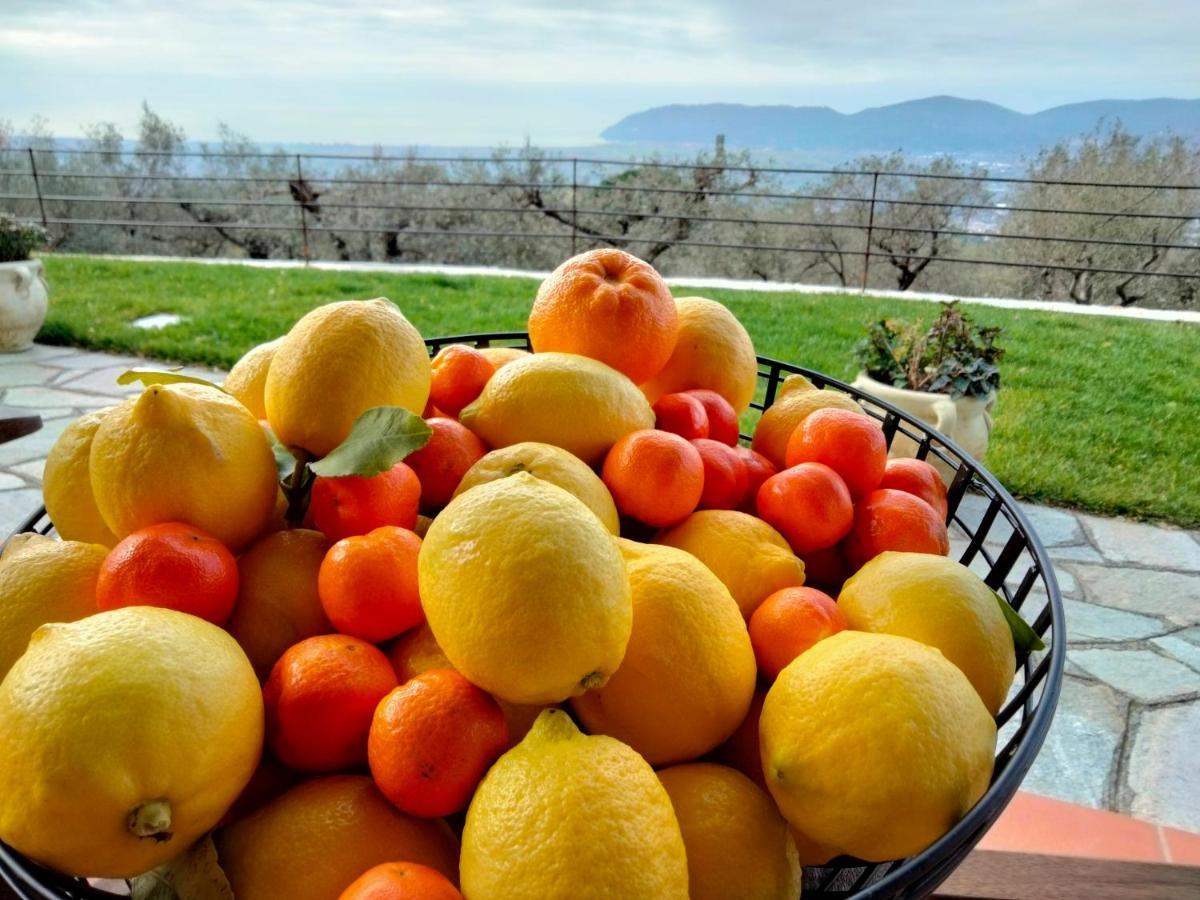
pixel 931 125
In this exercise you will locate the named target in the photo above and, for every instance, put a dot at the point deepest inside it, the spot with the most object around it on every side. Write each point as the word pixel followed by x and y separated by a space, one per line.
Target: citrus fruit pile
pixel 502 624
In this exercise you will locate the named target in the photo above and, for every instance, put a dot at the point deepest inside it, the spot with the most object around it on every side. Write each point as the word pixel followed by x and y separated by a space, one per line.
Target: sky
pixel 482 72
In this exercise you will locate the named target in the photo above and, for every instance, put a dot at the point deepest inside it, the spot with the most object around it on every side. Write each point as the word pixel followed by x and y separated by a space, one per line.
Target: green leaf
pixel 149 376
pixel 285 461
pixel 195 875
pixel 380 438
pixel 1025 638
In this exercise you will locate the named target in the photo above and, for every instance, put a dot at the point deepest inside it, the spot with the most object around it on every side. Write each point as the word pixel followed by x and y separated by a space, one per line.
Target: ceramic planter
pixel 23 294
pixel 965 420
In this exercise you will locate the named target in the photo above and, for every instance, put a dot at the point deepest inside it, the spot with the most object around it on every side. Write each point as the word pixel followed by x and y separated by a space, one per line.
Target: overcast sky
pixel 485 71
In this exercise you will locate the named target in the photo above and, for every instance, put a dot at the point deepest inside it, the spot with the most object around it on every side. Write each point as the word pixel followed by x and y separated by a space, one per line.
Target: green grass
pixel 1095 413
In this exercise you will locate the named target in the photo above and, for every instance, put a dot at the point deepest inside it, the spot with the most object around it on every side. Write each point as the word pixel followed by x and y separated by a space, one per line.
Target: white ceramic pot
pixel 23 294
pixel 965 420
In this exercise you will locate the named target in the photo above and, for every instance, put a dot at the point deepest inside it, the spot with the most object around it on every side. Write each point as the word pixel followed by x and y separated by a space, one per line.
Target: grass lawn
pixel 1095 413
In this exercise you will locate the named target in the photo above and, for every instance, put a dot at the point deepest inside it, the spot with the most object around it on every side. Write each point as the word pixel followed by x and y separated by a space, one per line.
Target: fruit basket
pixel 989 533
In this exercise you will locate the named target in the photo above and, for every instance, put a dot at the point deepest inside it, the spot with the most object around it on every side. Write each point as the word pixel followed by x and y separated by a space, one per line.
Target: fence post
pixel 37 187
pixel 303 214
pixel 870 229
pixel 574 212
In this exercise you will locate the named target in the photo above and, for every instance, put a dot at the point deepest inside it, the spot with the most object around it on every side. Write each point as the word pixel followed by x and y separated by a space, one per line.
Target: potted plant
pixel 23 289
pixel 946 375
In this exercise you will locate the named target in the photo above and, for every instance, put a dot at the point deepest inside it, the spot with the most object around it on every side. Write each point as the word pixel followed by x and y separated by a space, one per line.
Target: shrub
pixel 18 239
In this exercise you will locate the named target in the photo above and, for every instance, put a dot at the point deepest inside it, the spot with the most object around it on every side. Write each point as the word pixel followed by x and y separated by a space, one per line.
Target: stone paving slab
pixel 1127 733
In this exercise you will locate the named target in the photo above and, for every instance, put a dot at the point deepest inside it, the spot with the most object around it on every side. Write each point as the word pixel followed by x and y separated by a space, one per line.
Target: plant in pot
pixel 23 289
pixel 946 375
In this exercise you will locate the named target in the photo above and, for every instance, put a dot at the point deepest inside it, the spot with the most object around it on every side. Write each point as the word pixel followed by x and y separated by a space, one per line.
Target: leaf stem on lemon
pixel 151 819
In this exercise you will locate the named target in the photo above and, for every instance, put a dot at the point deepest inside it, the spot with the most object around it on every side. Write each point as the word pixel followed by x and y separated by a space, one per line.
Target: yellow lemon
pixel 712 350
pixel 67 484
pixel 525 590
pixel 277 603
pixel 124 737
pixel 184 453
pixel 567 816
pixel 738 845
pixel 312 841
pixel 688 675
pixel 939 602
pixel 875 744
pixel 796 398
pixel 552 464
pixel 569 401
pixel 43 580
pixel 248 377
pixel 338 361
pixel 750 557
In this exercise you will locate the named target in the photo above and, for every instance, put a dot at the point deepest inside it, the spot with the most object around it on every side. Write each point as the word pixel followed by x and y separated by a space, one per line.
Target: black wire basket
pixel 989 533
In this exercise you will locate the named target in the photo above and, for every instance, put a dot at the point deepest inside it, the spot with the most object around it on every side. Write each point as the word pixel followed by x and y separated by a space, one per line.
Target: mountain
pixel 930 125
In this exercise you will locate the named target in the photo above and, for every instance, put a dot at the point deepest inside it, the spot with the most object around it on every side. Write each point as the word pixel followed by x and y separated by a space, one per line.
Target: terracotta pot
pixel 23 293
pixel 965 420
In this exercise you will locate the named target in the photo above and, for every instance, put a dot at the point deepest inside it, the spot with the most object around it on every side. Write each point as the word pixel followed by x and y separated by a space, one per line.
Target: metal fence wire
pixel 837 224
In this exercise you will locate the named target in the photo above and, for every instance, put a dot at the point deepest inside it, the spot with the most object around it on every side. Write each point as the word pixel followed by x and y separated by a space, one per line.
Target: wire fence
pixel 1091 241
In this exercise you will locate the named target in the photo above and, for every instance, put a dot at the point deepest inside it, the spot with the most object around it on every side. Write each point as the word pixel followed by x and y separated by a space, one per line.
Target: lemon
pixel 712 350
pixel 750 557
pixel 940 602
pixel 569 401
pixel 525 590
pixel 796 398
pixel 248 377
pixel 875 744
pixel 688 675
pixel 43 580
pixel 552 464
pixel 738 845
pixel 123 738
pixel 277 603
pixel 67 484
pixel 184 453
pixel 338 361
pixel 314 840
pixel 566 816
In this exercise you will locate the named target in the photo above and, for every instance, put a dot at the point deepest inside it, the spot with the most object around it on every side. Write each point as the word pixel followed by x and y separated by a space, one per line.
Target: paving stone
pixel 15 508
pixel 25 374
pixel 86 359
pixel 1077 762
pixel 50 398
pixel 1053 526
pixel 1183 646
pixel 1075 553
pixel 1122 541
pixel 1163 770
pixel 9 481
pixel 1088 622
pixel 32 469
pixel 34 445
pixel 1141 674
pixel 100 381
pixel 1173 596
pixel 37 353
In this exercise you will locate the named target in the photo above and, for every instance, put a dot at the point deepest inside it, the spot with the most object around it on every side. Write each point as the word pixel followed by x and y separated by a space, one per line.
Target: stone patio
pixel 1127 733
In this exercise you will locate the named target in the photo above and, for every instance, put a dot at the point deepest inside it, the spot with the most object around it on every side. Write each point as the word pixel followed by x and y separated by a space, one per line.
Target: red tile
pixel 1033 824
pixel 1183 847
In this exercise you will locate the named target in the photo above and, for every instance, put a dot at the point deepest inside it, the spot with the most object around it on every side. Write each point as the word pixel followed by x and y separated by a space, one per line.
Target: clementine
pixel 808 504
pixel 441 464
pixel 401 881
pixel 789 622
pixel 725 475
pixel 368 584
pixel 654 476
pixel 350 504
pixel 681 414
pixel 722 420
pixel 888 519
pixel 848 442
pixel 919 478
pixel 459 375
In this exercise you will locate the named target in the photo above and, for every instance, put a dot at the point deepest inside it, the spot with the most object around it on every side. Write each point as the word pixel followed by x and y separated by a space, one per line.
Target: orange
pixel 460 373
pixel 441 464
pixel 809 505
pixel 796 398
pixel 789 622
pixel 826 569
pixel 919 478
pixel 350 504
pixel 725 475
pixel 610 306
pixel 277 603
pixel 848 442
pixel 416 652
pixel 368 584
pixel 741 751
pixel 722 420
pixel 269 781
pixel 654 476
pixel 401 881
pixel 172 565
pixel 320 698
pixel 888 519
pixel 431 741
pixel 758 470
pixel 313 841
pixel 681 414
pixel 502 356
